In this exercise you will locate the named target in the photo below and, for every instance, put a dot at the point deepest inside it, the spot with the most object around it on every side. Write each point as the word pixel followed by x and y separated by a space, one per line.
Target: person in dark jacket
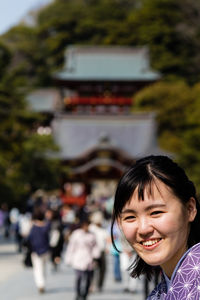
pixel 39 243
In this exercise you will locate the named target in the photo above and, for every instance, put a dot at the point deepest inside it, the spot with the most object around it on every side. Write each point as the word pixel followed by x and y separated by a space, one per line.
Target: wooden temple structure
pixel 91 120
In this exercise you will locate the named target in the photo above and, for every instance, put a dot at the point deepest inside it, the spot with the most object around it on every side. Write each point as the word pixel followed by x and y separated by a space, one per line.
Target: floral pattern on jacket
pixel 185 281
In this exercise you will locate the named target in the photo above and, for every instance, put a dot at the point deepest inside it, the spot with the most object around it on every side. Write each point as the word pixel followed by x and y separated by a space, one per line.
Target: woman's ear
pixel 191 208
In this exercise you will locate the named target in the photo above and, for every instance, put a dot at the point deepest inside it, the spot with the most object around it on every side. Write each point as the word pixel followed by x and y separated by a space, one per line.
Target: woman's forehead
pixel 154 189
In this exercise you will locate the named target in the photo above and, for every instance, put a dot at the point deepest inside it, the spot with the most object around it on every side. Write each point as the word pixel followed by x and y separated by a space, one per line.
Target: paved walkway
pixel 16 281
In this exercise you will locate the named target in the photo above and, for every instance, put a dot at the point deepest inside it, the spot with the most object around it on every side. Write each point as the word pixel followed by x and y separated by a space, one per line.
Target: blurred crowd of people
pixel 78 236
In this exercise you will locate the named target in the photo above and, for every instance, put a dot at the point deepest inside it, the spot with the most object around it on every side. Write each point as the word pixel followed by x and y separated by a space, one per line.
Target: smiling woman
pixel 157 210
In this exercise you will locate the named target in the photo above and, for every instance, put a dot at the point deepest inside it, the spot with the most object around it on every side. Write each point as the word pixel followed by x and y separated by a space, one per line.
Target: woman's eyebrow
pixel 127 210
pixel 152 206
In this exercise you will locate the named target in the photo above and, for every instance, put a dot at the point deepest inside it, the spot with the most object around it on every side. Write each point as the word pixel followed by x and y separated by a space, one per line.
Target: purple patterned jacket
pixel 185 280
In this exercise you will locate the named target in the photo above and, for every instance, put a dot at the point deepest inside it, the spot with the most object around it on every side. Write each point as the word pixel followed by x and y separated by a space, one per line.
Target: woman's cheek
pixel 168 224
pixel 129 231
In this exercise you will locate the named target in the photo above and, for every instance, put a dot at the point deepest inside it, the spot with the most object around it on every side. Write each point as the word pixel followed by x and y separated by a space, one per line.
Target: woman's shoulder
pixel 195 248
pixel 187 276
pixel 192 258
pixel 159 291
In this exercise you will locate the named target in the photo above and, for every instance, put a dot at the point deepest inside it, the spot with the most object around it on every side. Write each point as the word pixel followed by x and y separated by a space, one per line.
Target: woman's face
pixel 157 227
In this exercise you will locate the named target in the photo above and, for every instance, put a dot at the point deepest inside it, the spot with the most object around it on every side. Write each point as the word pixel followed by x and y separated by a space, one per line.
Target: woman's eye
pixel 157 212
pixel 129 218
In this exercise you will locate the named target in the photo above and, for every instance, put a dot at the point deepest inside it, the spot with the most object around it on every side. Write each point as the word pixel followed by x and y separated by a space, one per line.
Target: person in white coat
pixel 102 238
pixel 80 254
pixel 127 257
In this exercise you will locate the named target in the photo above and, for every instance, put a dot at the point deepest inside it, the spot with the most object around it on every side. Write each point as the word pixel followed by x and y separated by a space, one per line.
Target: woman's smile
pixel 150 244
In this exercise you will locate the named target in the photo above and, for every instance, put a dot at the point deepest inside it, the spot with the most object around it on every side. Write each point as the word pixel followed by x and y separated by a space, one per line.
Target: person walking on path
pixel 80 254
pixel 115 252
pixel 127 256
pixel 102 238
pixel 56 239
pixel 39 244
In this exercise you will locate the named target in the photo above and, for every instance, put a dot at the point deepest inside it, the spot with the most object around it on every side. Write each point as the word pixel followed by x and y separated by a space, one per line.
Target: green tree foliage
pixel 39 50
pixel 38 164
pixel 19 144
pixel 170 101
pixel 5 57
pixel 177 106
pixel 189 156
pixel 172 36
pixel 30 59
pixel 157 21
pixel 100 22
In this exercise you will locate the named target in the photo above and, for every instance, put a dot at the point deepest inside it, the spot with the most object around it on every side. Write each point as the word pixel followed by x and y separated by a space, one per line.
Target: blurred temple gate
pixel 88 112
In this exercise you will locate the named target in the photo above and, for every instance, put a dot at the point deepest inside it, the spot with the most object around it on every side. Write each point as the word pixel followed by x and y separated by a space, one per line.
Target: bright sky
pixel 12 11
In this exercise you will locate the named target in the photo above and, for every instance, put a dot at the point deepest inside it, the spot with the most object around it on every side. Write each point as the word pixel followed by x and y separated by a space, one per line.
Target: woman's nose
pixel 144 226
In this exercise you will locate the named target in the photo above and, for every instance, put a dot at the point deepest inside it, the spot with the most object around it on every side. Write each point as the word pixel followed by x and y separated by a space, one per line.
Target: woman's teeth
pixel 150 242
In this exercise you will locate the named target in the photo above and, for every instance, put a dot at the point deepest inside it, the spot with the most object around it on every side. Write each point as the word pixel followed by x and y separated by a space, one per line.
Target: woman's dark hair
pixel 141 175
pixel 38 213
